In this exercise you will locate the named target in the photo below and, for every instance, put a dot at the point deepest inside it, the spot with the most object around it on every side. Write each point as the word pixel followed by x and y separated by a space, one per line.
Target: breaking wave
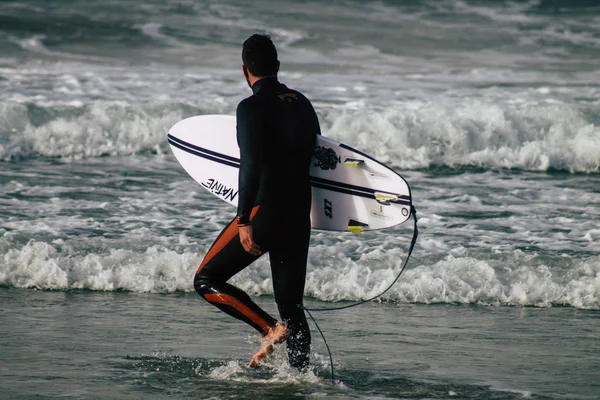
pixel 411 135
pixel 333 275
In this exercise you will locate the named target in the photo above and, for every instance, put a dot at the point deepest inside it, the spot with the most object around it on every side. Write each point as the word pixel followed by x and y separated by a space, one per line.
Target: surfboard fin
pixel 353 162
pixel 356 227
pixel 385 198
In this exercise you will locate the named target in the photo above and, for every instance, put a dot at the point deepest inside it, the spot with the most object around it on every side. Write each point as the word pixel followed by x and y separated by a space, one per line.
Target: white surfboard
pixel 350 190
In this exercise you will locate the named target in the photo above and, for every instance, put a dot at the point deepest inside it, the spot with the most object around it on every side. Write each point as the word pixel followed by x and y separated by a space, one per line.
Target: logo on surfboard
pixel 326 158
pixel 328 209
pixel 220 189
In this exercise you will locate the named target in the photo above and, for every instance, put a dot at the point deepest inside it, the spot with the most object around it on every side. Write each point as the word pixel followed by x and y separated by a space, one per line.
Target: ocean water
pixel 489 109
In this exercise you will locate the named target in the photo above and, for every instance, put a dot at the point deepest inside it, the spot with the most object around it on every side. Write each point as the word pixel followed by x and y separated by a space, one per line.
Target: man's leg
pixel 226 258
pixel 288 266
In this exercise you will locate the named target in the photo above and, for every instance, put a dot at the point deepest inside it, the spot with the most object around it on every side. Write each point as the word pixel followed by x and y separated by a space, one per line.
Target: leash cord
pixel 324 340
pixel 308 310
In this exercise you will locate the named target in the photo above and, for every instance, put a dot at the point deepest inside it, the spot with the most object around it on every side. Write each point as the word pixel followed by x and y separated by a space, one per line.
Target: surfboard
pixel 351 191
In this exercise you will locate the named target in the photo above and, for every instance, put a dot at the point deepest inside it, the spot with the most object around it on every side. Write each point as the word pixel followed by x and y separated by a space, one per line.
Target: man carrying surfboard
pixel 276 133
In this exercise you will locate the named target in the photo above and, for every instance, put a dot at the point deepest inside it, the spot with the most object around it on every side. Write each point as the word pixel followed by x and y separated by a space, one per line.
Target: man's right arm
pixel 250 137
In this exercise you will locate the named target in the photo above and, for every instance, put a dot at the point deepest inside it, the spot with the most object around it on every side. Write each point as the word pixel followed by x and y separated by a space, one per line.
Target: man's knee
pixel 202 284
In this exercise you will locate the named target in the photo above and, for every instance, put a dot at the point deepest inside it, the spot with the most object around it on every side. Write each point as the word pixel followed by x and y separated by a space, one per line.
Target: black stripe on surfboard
pixel 341 189
pixel 203 150
pixel 316 182
pixel 368 191
pixel 204 155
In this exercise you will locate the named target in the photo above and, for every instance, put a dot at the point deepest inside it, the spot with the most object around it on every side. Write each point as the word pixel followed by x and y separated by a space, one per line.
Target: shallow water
pixel 85 344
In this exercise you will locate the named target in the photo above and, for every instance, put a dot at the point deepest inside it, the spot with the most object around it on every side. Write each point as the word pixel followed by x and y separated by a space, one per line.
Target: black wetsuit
pixel 276 132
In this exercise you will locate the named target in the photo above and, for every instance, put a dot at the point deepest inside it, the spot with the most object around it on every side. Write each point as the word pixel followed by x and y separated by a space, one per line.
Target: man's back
pixel 277 130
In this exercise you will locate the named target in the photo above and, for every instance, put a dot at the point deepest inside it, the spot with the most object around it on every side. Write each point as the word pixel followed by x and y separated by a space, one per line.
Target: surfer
pixel 276 133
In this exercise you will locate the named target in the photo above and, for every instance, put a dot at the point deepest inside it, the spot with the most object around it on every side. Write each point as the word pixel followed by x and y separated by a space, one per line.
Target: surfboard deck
pixel 351 191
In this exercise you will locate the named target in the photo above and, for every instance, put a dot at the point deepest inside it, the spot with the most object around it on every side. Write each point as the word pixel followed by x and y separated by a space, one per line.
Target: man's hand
pixel 248 242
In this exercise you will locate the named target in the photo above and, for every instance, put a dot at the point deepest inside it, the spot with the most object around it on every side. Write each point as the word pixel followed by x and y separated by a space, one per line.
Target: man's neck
pixel 257 80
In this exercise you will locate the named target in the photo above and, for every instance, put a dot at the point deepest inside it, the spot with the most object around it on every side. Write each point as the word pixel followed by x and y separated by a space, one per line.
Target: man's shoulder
pixel 250 103
pixel 252 100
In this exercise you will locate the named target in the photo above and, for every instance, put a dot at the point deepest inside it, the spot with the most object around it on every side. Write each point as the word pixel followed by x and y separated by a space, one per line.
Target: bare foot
pixel 276 335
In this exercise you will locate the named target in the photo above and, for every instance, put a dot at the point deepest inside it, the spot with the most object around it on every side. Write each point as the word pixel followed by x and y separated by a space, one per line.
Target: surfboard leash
pixel 308 310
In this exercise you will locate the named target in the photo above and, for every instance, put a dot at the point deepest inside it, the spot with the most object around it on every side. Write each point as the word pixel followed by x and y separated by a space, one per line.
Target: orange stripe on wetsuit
pixel 226 237
pixel 229 234
pixel 241 307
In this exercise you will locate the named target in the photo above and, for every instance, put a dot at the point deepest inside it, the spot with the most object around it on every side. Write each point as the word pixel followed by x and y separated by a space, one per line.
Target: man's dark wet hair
pixel 260 56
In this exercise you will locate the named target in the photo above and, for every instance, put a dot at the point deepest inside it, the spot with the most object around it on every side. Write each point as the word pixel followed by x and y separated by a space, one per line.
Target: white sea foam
pixel 422 134
pixel 406 135
pixel 280 369
pixel 42 265
pixel 334 275
pixel 101 129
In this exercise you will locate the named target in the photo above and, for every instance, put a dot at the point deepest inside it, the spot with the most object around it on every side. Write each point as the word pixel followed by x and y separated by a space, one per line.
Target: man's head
pixel 260 56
